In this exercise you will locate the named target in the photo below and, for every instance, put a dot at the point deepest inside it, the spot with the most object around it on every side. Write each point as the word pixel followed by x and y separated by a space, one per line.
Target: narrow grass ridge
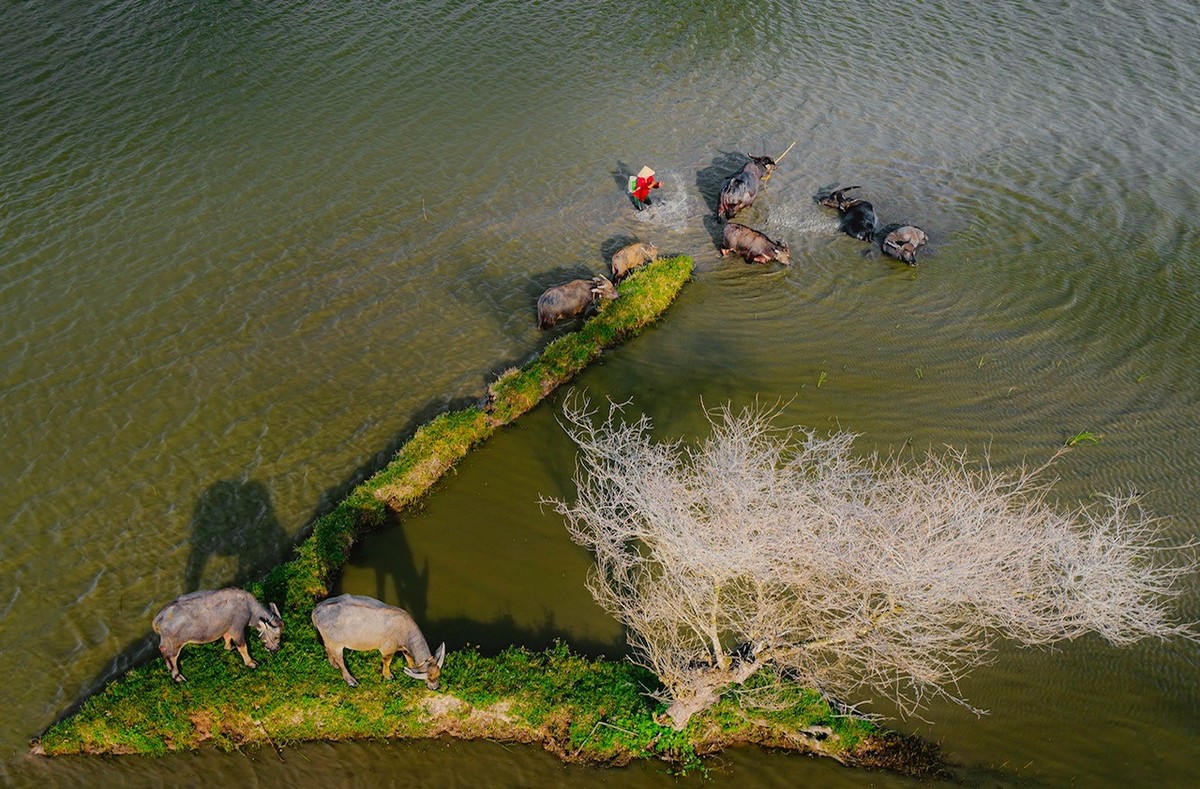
pixel 582 710
pixel 444 440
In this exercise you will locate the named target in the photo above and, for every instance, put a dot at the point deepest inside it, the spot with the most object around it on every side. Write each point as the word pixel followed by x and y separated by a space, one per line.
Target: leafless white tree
pixel 778 550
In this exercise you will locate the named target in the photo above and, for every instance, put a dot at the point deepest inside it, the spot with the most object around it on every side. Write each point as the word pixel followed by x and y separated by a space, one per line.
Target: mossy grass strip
pixel 583 710
pixel 644 296
pixel 440 443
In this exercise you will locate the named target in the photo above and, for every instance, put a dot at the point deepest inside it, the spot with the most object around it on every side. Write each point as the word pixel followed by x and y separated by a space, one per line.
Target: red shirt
pixel 643 186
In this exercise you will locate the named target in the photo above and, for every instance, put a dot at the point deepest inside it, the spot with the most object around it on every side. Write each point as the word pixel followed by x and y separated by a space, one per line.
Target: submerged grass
pixel 583 710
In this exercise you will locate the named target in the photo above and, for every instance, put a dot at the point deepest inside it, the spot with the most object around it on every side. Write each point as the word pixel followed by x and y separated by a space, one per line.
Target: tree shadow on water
pixel 234 518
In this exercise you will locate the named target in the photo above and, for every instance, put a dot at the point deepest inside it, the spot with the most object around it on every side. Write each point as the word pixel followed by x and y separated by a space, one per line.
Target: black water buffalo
pixel 630 257
pixel 752 245
pixel 901 242
pixel 563 301
pixel 856 217
pixel 740 189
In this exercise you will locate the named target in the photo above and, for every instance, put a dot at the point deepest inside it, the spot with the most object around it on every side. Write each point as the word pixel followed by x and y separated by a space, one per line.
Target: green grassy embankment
pixel 581 709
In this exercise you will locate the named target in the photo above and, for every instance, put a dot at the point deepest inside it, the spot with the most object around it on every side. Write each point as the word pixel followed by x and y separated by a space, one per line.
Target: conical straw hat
pixel 645 172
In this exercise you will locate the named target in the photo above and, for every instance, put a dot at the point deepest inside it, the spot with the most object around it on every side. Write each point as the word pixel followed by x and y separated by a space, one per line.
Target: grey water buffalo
pixel 564 301
pixel 740 189
pixel 203 617
pixel 363 623
pixel 630 257
pixel 901 242
pixel 752 245
pixel 856 217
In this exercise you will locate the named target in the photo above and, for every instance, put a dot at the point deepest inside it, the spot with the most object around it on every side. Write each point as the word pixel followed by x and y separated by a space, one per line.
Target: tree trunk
pixel 705 688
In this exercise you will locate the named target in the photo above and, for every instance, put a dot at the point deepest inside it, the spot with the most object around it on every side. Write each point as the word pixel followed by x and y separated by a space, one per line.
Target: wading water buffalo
pixel 564 301
pixel 901 242
pixel 204 616
pixel 856 217
pixel 631 257
pixel 363 623
pixel 740 189
pixel 752 245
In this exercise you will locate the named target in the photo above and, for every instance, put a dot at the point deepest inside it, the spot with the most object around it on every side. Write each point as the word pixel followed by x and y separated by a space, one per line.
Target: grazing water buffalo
pixel 752 245
pixel 355 622
pixel 563 301
pixel 630 257
pixel 901 242
pixel 204 616
pixel 740 189
pixel 856 217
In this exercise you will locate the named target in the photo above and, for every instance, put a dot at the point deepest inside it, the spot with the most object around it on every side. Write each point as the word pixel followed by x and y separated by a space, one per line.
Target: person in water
pixel 640 186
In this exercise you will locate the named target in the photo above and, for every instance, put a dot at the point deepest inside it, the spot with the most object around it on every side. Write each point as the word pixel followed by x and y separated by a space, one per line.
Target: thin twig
pixel 267 734
pixel 785 153
pixel 593 731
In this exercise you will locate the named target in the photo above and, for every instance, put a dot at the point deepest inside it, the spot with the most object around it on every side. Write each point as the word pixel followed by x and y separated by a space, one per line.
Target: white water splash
pixel 675 206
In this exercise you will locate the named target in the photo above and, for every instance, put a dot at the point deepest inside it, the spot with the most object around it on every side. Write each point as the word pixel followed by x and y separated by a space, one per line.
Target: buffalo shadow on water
pixel 614 244
pixel 231 518
pixel 212 518
pixel 709 181
pixel 234 518
pixel 396 564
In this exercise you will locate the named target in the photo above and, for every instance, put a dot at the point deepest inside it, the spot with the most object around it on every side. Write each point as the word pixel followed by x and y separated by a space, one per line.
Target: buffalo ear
pixel 414 673
pixel 440 655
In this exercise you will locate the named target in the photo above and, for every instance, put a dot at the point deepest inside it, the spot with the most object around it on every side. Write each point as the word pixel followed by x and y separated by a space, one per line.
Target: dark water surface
pixel 246 247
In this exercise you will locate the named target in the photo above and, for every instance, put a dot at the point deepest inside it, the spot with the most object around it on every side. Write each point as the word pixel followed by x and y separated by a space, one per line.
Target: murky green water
pixel 245 248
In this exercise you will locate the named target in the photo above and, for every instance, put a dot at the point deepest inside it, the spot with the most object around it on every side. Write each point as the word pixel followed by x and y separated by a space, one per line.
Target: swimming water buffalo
pixel 203 617
pixel 740 189
pixel 630 257
pixel 564 301
pixel 856 217
pixel 752 245
pixel 363 623
pixel 901 242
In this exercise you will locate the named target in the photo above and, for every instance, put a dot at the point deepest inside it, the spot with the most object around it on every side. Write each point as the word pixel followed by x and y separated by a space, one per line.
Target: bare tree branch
pixel 774 550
